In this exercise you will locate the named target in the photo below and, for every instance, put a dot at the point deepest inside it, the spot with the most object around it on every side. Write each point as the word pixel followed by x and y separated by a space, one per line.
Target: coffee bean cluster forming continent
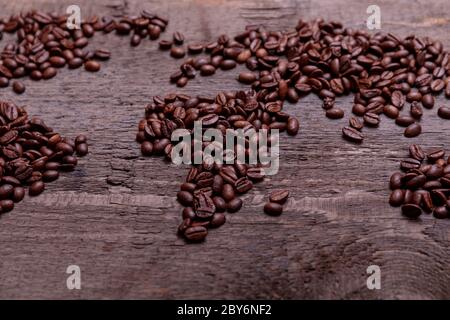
pixel 388 76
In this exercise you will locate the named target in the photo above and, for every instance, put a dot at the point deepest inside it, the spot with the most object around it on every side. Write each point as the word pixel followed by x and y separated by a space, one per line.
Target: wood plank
pixel 116 215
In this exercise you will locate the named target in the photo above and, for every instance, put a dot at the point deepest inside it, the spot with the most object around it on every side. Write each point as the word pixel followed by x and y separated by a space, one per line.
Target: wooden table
pixel 115 216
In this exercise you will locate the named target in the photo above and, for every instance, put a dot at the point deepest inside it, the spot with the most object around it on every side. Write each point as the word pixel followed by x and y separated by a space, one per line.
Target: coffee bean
pixel 371 119
pixel 6 205
pixel 352 134
pixel 49 73
pixel 435 155
pixel 228 192
pixel 18 87
pixel 396 181
pixel 358 109
pixel 234 205
pixel 217 220
pixel 4 82
pixel 178 38
pixel 416 110
pixel 416 152
pixel 411 210
pixel 404 121
pixel 82 149
pixel 397 197
pixel 292 126
pixel 220 204
pixel 441 212
pixel 177 52
pixel 207 70
pixel 92 66
pixel 273 208
pixel 195 48
pixel 335 113
pixel 102 54
pixel 391 111
pixel 196 234
pixel 413 130
pixel 416 182
pixel 36 188
pixel 279 196
pixel 185 198
pixel 247 77
pixel 428 101
pixel 444 112
pixel 18 194
pixel 409 164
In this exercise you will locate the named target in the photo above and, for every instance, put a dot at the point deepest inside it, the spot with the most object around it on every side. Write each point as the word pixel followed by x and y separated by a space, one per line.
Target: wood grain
pixel 116 215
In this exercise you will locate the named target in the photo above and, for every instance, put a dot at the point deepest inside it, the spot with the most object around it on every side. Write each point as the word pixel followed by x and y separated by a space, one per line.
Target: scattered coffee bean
pixel 279 196
pixel 444 112
pixel 18 87
pixel 273 208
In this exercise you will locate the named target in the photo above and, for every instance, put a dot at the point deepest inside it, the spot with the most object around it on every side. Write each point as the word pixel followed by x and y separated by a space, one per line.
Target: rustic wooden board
pixel 116 215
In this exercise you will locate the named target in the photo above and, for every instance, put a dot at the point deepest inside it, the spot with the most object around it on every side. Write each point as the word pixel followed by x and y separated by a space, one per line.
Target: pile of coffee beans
pixel 276 200
pixel 210 188
pixel 45 44
pixel 423 184
pixel 32 154
pixel 388 75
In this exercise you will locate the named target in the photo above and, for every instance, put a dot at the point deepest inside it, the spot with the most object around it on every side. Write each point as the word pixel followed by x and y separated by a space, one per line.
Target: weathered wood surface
pixel 116 215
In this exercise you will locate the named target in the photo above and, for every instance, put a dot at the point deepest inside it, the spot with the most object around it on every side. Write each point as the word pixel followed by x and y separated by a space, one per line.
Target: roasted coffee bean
pixel 92 66
pixel 416 152
pixel 355 123
pixel 36 188
pixel 247 77
pixel 177 52
pixel 207 70
pixel 358 109
pixel 178 38
pixel 18 194
pixel 391 111
pixel 335 113
pixel 49 73
pixel 279 196
pixel 18 87
pixel 234 205
pixel 409 164
pixel 273 208
pixel 243 185
pixel 6 205
pixel 228 192
pixel 416 110
pixel 396 181
pixel 416 182
pixel 397 197
pixel 413 130
pixel 217 220
pixel 352 134
pixel 292 126
pixel 196 234
pixel 220 204
pixel 82 149
pixel 444 112
pixel 185 198
pixel 371 119
pixel 404 121
pixel 435 155
pixel 188 213
pixel 441 212
pixel 50 175
pixel 411 210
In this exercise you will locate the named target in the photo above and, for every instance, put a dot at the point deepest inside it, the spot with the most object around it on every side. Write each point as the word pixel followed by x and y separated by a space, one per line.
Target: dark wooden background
pixel 116 215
